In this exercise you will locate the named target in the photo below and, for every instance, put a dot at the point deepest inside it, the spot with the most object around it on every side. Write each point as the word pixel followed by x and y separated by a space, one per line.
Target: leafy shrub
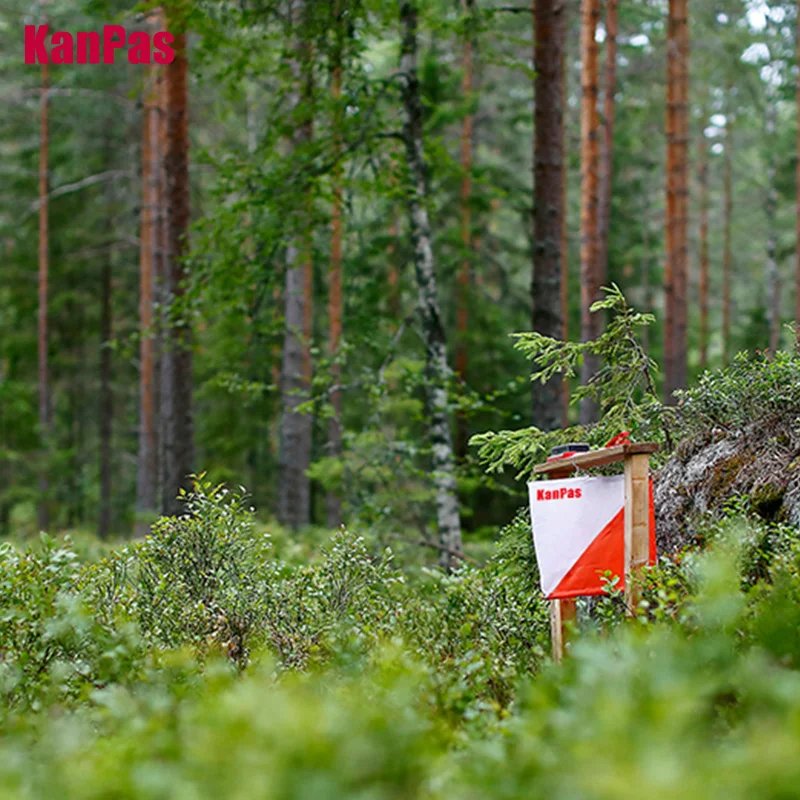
pixel 313 611
pixel 52 649
pixel 202 578
pixel 755 388
pixel 480 629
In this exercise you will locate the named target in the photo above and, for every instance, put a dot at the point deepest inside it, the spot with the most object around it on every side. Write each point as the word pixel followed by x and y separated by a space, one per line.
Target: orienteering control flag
pixel 579 533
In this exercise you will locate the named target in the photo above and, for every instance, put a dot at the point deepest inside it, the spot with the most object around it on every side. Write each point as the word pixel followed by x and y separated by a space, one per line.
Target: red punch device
pixel 620 438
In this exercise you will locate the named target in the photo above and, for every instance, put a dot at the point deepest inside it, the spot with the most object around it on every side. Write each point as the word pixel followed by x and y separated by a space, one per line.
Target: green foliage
pixel 756 389
pixel 433 687
pixel 52 649
pixel 199 576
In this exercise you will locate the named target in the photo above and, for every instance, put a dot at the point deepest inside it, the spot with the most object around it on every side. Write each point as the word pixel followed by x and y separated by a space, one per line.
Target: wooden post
pixel 636 458
pixel 563 615
pixel 637 527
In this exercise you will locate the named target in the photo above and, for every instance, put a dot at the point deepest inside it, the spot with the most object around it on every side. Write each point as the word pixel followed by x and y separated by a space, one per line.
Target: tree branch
pixel 68 188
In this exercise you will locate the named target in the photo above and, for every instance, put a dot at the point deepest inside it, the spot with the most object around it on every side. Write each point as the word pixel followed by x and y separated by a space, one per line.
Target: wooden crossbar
pixel 594 458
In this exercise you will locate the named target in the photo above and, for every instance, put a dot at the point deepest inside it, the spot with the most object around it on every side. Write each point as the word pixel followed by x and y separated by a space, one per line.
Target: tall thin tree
pixel 465 267
pixel 176 358
pixel 294 489
pixel 44 270
pixel 433 334
pixel 590 276
pixel 797 196
pixel 677 208
pixel 770 211
pixel 147 455
pixel 106 406
pixel 548 205
pixel 727 232
pixel 702 168
pixel 334 501
pixel 607 141
pixel 564 207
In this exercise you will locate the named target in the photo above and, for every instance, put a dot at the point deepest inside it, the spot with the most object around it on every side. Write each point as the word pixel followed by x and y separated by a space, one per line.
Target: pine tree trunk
pixel 607 153
pixel 676 264
pixel 433 333
pixel 147 456
pixel 590 276
pixel 563 210
pixel 44 251
pixel 334 502
pixel 703 176
pixel 465 268
pixel 647 305
pixel 727 250
pixel 773 273
pixel 106 409
pixel 797 201
pixel 176 358
pixel 548 205
pixel 294 489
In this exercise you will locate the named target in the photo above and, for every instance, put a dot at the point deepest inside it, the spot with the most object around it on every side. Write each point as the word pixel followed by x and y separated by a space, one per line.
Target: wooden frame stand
pixel 636 458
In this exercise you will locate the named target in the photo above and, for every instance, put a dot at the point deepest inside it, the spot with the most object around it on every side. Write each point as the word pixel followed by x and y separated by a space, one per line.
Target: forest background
pixel 294 257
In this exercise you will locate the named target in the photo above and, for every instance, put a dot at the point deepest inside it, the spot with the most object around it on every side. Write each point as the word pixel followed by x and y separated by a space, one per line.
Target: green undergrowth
pixel 199 663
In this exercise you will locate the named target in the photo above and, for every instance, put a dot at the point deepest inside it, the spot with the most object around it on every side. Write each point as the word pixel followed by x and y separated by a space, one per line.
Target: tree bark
pixel 590 276
pixel 607 153
pixel 147 456
pixel 334 501
pixel 106 410
pixel 727 250
pixel 646 280
pixel 44 266
pixel 703 177
pixel 677 209
pixel 465 268
pixel 797 201
pixel 771 204
pixel 564 207
pixel 176 358
pixel 294 489
pixel 433 332
pixel 548 205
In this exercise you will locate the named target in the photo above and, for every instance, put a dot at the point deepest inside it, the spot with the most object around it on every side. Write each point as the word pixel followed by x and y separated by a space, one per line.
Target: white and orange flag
pixel 579 533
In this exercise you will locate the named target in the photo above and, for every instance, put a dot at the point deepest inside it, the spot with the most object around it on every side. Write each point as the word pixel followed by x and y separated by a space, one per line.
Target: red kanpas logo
pixel 558 494
pixel 84 47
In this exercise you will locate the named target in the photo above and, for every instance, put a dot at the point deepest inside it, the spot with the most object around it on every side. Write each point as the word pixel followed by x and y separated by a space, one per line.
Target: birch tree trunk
pixel 677 210
pixel 548 204
pixel 147 456
pixel 176 359
pixel 294 489
pixel 703 299
pixel 590 277
pixel 433 332
pixel 44 268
